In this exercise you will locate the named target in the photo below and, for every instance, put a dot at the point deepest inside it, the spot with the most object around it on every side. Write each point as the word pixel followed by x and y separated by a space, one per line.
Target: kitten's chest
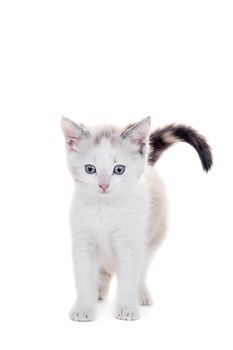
pixel 103 220
pixel 106 223
pixel 100 224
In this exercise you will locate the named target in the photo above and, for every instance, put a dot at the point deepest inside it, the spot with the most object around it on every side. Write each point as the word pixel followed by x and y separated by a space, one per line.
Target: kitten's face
pixel 106 161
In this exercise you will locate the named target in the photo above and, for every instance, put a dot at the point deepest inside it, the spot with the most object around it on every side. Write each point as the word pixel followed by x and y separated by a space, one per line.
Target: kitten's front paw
pixel 127 313
pixel 82 314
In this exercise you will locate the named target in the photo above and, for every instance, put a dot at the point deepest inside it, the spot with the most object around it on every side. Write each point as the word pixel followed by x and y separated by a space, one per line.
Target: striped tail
pixel 162 139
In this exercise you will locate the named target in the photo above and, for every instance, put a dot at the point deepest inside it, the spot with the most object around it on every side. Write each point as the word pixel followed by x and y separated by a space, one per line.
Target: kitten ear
pixel 73 133
pixel 138 133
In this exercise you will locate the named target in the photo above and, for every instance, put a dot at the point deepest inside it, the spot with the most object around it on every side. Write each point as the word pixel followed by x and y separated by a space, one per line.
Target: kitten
pixel 118 212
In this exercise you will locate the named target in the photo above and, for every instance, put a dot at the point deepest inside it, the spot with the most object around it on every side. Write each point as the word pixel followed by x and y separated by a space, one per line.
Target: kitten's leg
pixel 86 273
pixel 129 270
pixel 103 285
pixel 144 296
pixel 157 236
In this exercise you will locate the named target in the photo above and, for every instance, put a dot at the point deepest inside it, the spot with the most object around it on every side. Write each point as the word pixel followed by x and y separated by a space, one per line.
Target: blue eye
pixel 119 169
pixel 90 169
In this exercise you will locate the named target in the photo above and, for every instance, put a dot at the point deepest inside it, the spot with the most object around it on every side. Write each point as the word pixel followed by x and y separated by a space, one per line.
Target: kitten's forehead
pixel 109 133
pixel 104 145
pixel 105 150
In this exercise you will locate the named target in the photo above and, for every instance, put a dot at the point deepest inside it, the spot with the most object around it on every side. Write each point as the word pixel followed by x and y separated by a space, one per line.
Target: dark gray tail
pixel 162 139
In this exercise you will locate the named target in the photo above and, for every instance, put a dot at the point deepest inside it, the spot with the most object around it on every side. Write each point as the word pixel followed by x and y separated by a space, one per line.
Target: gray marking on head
pixel 108 132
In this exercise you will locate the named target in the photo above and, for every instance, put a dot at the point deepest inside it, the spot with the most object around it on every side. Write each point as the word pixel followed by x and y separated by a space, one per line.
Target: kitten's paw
pixel 127 313
pixel 145 298
pixel 82 314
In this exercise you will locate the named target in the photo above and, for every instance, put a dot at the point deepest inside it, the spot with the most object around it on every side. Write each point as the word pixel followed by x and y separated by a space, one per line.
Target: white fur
pixel 118 231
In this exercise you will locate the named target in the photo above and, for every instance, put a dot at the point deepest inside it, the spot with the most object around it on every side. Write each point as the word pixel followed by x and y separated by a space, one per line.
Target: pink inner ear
pixel 72 142
pixel 139 141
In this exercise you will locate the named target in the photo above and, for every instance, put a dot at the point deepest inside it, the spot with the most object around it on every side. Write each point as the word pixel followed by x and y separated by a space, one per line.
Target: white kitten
pixel 118 213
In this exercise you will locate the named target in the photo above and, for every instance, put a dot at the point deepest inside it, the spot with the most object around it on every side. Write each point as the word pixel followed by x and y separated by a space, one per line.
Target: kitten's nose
pixel 104 187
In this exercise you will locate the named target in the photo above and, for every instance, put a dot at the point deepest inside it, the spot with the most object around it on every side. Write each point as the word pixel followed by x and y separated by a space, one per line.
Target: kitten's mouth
pixel 104 193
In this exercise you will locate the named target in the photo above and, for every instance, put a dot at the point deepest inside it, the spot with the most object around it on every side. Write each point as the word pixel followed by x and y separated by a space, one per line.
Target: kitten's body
pixel 114 231
pixel 130 226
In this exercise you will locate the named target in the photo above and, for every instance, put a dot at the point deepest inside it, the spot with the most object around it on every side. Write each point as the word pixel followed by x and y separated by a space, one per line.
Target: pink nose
pixel 104 187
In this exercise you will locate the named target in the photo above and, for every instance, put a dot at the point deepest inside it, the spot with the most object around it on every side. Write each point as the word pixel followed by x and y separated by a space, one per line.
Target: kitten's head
pixel 106 160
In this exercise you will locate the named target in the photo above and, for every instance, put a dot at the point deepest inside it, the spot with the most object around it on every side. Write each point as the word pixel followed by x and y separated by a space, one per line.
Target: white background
pixel 116 62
